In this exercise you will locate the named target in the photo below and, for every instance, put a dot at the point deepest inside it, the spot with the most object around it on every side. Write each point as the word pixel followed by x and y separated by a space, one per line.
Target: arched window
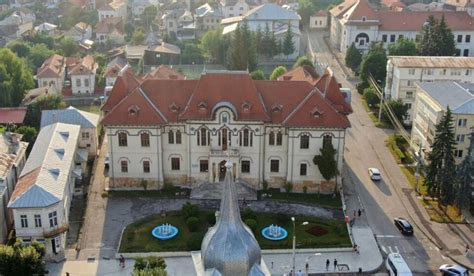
pixel 178 137
pixel 271 138
pixel 124 166
pixel 279 139
pixel 170 137
pixel 246 138
pixel 203 137
pixel 327 140
pixel 122 137
pixel 145 139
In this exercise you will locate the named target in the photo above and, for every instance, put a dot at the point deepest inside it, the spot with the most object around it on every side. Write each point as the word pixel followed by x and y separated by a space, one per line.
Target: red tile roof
pixel 360 9
pixel 25 183
pixel 84 66
pixel 124 85
pixel 52 67
pixel 109 25
pixel 301 73
pixel 413 21
pixel 286 102
pixel 329 87
pixel 165 72
pixel 12 115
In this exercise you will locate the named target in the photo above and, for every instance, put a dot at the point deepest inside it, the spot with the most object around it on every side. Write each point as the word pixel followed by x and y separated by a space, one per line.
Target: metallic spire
pixel 229 248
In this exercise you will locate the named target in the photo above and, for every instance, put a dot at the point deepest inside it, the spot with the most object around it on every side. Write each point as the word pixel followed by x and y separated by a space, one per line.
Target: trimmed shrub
pixel 194 241
pixel 190 210
pixel 193 224
pixel 211 218
pixel 305 189
pixel 288 187
pixel 252 224
pixel 371 97
pixel 248 214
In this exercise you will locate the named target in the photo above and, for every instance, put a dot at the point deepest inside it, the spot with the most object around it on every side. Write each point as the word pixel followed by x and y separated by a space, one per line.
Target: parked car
pixel 107 161
pixel 374 174
pixel 449 270
pixel 404 226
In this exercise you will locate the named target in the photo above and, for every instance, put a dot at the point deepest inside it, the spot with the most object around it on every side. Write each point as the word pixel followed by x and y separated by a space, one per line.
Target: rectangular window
pixel 465 52
pixel 459 38
pixel 303 169
pixel 429 72
pixel 38 221
pixel 408 83
pixel 122 136
pixel 53 219
pixel 175 163
pixel 86 82
pixel 178 137
pixel 124 166
pixel 442 72
pixel 400 36
pixel 170 137
pixel 203 165
pixel 408 105
pixel 146 166
pixel 460 138
pixel 462 122
pixel 271 138
pixel 384 38
pixel 279 138
pixel 24 221
pixel 78 82
pixel 85 135
pixel 409 94
pixel 458 153
pixel 145 139
pixel 392 38
pixel 245 166
pixel 417 38
pixel 468 38
pixel 411 71
pixel 274 166
pixel 304 142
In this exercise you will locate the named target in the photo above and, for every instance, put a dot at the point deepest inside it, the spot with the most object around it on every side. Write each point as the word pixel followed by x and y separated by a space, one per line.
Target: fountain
pixel 165 231
pixel 274 233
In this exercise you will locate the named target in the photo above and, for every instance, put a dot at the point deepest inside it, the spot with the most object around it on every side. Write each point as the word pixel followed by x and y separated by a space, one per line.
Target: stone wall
pixel 126 183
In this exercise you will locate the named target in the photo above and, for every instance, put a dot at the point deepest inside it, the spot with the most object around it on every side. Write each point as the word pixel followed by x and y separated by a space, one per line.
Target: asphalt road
pixel 365 148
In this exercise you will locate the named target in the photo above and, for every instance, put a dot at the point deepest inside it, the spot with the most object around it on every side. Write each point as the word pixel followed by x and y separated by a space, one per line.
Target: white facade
pixel 318 22
pixel 57 83
pixel 404 72
pixel 83 84
pixel 116 8
pixel 234 9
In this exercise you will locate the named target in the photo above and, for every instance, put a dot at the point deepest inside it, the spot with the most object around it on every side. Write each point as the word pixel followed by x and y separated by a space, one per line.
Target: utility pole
pixel 382 96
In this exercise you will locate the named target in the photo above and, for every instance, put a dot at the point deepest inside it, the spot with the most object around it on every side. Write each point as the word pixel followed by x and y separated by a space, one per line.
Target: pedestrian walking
pixel 299 273
pixel 335 264
pixel 327 264
pixel 359 212
pixel 307 268
pixel 354 213
pixel 122 261
pixel 272 265
pixel 466 253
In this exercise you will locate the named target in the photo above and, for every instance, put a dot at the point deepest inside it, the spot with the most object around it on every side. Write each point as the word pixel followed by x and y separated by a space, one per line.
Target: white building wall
pixel 58 83
pixel 103 14
pixel 318 22
pixel 78 84
pixel 88 139
pixel 238 9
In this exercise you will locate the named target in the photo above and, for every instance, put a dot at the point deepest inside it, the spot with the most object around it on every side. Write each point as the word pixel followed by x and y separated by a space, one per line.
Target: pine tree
pixel 234 60
pixel 288 44
pixel 326 161
pixel 427 46
pixel 437 39
pixel 353 58
pixel 258 40
pixel 275 46
pixel 465 180
pixel 441 173
pixel 242 54
pixel 446 45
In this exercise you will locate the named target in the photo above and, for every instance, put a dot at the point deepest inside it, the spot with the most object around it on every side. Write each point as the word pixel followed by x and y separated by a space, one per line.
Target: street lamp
pixel 294 242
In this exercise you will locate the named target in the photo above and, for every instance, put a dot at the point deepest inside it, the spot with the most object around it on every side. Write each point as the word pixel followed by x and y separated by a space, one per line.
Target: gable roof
pixel 70 115
pixel 85 66
pixel 361 9
pixel 271 11
pixel 301 73
pixel 329 88
pixel 268 101
pixel 413 21
pixel 340 9
pixel 12 115
pixel 53 67
pixel 125 83
pixel 45 175
pixel 165 72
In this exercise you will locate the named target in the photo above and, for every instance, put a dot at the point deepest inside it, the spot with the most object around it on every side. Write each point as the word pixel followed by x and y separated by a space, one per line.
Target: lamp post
pixel 294 242
pixel 417 172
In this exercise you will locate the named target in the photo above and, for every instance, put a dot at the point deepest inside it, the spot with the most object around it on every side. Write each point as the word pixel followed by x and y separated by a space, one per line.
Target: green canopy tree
pixel 38 54
pixel 138 37
pixel 288 44
pixel 213 46
pixel 441 170
pixel 242 54
pixel 191 54
pixel 446 45
pixel 20 48
pixel 399 108
pixel 20 259
pixel 353 58
pixel 373 63
pixel 326 161
pixel 303 61
pixel 68 46
pixel 148 16
pixel 280 70
pixel 436 38
pixel 257 75
pixel 403 47
pixel 465 178
pixel 33 112
pixel 15 78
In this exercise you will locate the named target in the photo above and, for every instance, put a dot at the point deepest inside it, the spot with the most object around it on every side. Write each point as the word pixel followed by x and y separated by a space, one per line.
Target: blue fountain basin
pixel 155 232
pixel 266 234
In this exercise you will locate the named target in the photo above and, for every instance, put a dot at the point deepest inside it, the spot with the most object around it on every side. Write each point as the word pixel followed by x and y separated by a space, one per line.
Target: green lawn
pixel 373 114
pixel 321 200
pixel 137 236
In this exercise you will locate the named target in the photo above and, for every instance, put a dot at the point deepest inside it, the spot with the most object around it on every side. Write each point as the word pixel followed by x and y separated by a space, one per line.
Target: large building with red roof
pixel 356 21
pixel 182 131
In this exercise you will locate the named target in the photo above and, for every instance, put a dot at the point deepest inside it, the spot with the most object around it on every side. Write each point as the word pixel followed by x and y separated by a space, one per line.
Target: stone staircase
pixel 214 191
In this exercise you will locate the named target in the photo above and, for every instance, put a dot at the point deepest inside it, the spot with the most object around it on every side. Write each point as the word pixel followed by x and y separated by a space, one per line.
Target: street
pixel 365 147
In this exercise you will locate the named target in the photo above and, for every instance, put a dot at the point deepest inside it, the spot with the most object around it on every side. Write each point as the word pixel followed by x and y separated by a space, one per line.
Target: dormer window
pixel 277 108
pixel 364 18
pixel 133 110
pixel 202 105
pixel 173 107
pixel 246 106
pixel 316 112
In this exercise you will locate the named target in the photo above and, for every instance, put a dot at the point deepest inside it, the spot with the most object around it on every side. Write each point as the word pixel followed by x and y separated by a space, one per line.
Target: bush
pixel 150 262
pixel 288 187
pixel 264 185
pixel 194 241
pixel 305 189
pixel 190 210
pixel 252 224
pixel 211 218
pixel 371 97
pixel 280 70
pixel 193 224
pixel 257 75
pixel 168 187
pixel 248 214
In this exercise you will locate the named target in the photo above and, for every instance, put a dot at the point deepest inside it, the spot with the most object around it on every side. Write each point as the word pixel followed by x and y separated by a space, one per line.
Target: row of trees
pixel 449 183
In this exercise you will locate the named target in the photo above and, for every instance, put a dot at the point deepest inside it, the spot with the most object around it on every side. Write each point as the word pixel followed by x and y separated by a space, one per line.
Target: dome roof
pixel 229 247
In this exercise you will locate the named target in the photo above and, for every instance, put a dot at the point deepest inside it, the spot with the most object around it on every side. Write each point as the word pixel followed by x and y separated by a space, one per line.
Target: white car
pixel 374 174
pixel 454 270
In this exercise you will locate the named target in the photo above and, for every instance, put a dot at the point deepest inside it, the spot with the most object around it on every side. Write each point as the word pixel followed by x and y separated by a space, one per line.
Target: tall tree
pixel 326 161
pixel 68 46
pixel 373 63
pixel 138 37
pixel 38 54
pixel 20 48
pixel 465 173
pixel 436 38
pixel 242 54
pixel 353 58
pixel 20 259
pixel 148 16
pixel 15 78
pixel 213 46
pixel 288 44
pixel 403 47
pixel 399 109
pixel 303 61
pixel 441 171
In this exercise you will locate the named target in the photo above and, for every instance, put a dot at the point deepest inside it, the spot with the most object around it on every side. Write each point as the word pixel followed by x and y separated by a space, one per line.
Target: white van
pixel 396 265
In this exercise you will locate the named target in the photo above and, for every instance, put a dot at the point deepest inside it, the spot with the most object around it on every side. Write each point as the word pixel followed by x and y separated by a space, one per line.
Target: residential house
pixel 111 29
pixel 80 32
pixel 15 115
pixel 319 20
pixel 231 8
pixel 82 76
pixel 116 8
pixel 278 19
pixel 34 93
pixel 88 136
pixel 175 20
pixel 461 5
pixel 164 72
pixel 113 69
pixel 21 3
pixel 356 21
pixel 52 72
pixel 12 160
pixel 47 28
pixel 138 6
pixel 404 71
pixel 14 26
pixel 432 101
pixel 206 18
pixel 43 194
pixel 183 131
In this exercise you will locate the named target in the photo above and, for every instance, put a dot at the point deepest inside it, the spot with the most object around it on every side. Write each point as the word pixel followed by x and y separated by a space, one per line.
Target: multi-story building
pixel 82 76
pixel 42 197
pixel 113 69
pixel 52 72
pixel 12 160
pixel 461 5
pixel 183 131
pixel 87 121
pixel 80 32
pixel 116 8
pixel 432 101
pixel 207 18
pixel 319 20
pixel 357 22
pixel 404 71
pixel 110 29
pixel 231 8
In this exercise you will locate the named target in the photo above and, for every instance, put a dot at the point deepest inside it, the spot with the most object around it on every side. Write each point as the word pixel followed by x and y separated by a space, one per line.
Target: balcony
pixel 219 152
pixel 56 230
